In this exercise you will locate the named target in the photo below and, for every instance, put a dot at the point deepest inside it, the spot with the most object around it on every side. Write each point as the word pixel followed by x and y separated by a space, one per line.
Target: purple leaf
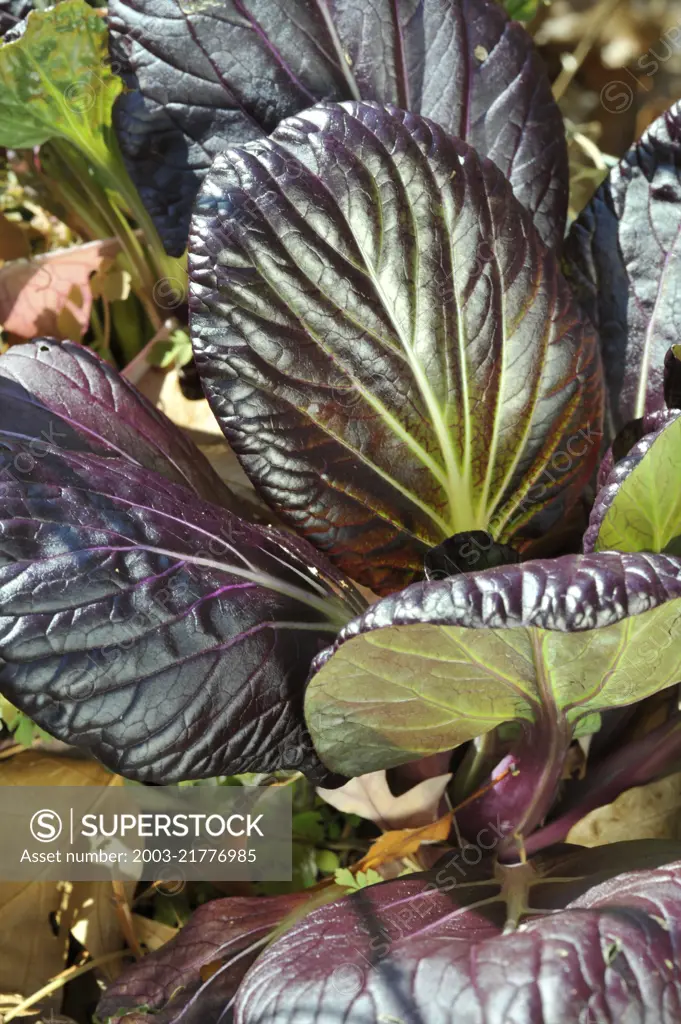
pixel 388 345
pixel 672 378
pixel 207 77
pixel 168 983
pixel 636 763
pixel 622 257
pixel 544 643
pixel 62 394
pixel 433 947
pixel 159 632
pixel 12 12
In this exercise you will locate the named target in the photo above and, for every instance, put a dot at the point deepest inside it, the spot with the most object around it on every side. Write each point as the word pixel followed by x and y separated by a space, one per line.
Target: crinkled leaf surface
pixel 639 508
pixel 66 396
pixel 55 81
pixel 159 632
pixel 443 662
pixel 388 345
pixel 622 258
pixel 227 933
pixel 430 948
pixel 208 75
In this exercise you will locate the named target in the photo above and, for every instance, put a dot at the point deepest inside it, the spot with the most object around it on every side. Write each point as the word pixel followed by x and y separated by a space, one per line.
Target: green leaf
pixel 8 712
pixel 639 508
pixel 359 881
pixel 327 862
pixel 56 84
pixel 524 10
pixel 56 81
pixel 427 688
pixel 23 729
pixel 442 662
pixel 345 877
pixel 588 726
pixel 173 351
pixel 303 876
pixel 111 283
pixel 308 825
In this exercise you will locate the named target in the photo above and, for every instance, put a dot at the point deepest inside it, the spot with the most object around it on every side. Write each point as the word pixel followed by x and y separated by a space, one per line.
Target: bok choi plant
pixel 464 438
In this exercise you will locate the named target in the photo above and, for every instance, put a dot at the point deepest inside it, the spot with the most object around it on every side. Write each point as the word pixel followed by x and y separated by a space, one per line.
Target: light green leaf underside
pixel 646 512
pixel 55 81
pixel 403 692
pixel 588 726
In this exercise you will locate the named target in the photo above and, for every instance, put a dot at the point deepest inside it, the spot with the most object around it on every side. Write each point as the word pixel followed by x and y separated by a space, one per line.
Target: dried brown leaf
pixel 14 243
pixel 95 924
pixel 32 948
pixel 34 292
pixel 646 812
pixel 405 842
pixel 35 917
pixel 37 768
pixel 152 934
